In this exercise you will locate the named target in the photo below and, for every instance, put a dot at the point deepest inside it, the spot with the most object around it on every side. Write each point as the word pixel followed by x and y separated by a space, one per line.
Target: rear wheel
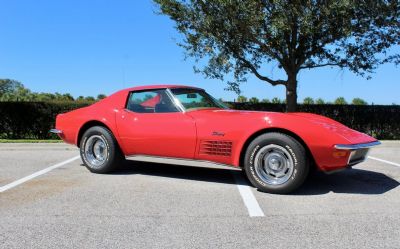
pixel 99 150
pixel 276 163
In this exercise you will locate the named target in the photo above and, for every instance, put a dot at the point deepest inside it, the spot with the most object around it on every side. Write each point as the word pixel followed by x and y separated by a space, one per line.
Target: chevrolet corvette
pixel 184 125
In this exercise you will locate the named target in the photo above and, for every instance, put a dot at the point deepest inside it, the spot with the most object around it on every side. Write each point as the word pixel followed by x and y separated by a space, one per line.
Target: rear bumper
pixel 357 152
pixel 56 131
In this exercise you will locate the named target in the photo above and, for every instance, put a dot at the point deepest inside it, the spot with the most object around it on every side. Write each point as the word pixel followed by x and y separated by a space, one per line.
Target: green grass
pixel 31 141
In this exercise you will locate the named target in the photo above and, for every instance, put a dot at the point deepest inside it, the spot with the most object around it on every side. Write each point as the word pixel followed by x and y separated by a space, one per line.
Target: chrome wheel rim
pixel 96 151
pixel 273 164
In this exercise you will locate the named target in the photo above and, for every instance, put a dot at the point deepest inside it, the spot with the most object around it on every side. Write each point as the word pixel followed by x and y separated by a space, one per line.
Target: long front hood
pixel 352 136
pixel 305 123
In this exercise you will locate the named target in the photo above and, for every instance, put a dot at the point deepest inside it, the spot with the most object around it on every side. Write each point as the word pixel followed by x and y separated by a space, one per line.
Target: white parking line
pixel 36 174
pixel 248 197
pixel 384 161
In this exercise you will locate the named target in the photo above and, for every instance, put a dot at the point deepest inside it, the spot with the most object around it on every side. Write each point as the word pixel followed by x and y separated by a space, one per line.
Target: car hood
pixel 291 121
pixel 352 136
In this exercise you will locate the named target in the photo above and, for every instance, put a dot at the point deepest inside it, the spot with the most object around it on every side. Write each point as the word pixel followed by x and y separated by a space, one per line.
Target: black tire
pixel 100 139
pixel 280 152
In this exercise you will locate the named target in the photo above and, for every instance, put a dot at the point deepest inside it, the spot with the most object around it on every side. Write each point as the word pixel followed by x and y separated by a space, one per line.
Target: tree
pixel 9 86
pixel 45 97
pixel 319 101
pixel 22 94
pixel 308 101
pixel 276 100
pixel 101 96
pixel 241 99
pixel 340 101
pixel 90 99
pixel 254 100
pixel 12 90
pixel 242 37
pixel 359 101
pixel 67 97
pixel 265 101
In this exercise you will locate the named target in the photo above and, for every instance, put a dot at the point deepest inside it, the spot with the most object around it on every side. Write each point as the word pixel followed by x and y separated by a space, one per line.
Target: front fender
pixel 318 133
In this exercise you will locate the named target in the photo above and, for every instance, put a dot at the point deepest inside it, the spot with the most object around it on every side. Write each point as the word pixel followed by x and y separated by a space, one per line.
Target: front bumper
pixel 357 152
pixel 356 146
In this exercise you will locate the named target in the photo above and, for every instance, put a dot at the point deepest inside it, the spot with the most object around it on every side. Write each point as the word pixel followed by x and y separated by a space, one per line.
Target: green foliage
pixel 90 99
pixel 239 37
pixel 308 101
pixel 265 101
pixel 359 101
pixel 31 141
pixel 340 101
pixel 254 100
pixel 17 92
pixel 276 100
pixel 101 96
pixel 319 101
pixel 241 99
pixel 12 90
pixel 8 86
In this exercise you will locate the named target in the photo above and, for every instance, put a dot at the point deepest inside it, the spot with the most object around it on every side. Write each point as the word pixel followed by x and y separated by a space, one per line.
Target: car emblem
pixel 217 133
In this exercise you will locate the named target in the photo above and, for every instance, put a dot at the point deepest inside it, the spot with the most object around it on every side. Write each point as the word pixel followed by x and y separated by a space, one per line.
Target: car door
pixel 151 124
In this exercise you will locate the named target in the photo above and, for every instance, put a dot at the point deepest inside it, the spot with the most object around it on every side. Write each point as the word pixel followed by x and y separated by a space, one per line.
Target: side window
pixel 155 101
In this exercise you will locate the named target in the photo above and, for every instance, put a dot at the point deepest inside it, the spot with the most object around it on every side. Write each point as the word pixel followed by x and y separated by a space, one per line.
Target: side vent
pixel 216 148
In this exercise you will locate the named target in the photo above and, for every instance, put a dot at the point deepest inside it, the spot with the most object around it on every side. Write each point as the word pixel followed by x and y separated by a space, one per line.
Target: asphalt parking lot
pixel 147 205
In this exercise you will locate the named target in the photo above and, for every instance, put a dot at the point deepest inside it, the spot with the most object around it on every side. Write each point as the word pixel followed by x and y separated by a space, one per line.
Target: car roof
pixel 148 87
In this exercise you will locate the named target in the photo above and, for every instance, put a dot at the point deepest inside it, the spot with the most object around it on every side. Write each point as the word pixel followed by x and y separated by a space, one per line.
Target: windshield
pixel 193 99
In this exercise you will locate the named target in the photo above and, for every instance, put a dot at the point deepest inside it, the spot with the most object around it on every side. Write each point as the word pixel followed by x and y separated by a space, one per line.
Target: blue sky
pixel 91 47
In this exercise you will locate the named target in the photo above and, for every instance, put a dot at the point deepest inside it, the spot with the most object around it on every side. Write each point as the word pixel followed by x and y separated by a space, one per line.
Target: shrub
pixel 308 101
pixel 32 120
pixel 359 101
pixel 340 101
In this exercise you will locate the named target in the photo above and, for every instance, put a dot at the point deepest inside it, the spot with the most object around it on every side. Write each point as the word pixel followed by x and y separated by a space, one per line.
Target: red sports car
pixel 185 125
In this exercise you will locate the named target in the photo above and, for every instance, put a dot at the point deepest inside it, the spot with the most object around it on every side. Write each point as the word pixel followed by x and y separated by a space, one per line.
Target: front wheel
pixel 276 163
pixel 99 150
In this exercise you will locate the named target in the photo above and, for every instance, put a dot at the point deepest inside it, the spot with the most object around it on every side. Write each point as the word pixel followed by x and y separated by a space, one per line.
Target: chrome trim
pixel 179 161
pixel 356 162
pixel 56 131
pixel 175 100
pixel 356 146
pixel 352 153
pixel 350 156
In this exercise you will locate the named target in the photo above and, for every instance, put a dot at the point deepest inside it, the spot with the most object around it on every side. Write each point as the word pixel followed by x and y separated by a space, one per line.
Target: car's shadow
pixel 351 181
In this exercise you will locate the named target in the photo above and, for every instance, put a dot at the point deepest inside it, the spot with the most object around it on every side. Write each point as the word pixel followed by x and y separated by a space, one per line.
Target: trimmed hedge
pixel 33 120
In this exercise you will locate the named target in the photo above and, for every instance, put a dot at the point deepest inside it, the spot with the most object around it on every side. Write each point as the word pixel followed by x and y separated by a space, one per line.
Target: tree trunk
pixel 291 93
